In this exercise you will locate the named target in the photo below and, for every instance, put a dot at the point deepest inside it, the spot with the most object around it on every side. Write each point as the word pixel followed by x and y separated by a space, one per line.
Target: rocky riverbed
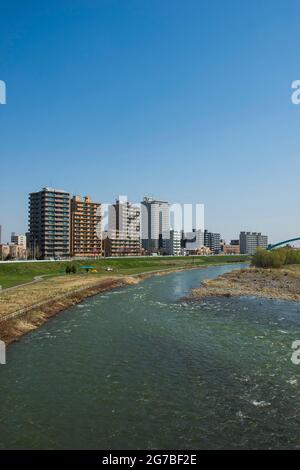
pixel 283 283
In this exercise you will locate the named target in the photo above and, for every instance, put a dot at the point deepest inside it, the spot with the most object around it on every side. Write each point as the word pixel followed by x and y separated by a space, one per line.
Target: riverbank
pixel 27 307
pixel 283 283
pixel 32 315
pixel 17 273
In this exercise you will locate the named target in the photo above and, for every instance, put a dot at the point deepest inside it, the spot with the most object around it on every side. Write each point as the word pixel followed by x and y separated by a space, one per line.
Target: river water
pixel 139 367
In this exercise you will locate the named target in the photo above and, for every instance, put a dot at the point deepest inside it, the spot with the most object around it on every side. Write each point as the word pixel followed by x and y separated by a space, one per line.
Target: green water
pixel 141 368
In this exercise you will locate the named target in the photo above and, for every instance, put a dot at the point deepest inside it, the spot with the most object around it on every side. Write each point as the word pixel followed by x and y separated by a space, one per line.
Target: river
pixel 140 367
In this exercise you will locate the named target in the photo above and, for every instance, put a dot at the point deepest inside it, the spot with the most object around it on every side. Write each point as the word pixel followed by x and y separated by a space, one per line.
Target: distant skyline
pixel 187 101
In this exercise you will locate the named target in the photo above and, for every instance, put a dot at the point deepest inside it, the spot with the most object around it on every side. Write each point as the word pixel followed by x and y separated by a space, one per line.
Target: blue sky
pixel 186 100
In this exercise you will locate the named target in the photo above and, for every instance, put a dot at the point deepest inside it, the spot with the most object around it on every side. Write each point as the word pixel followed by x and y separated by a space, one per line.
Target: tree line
pixel 275 258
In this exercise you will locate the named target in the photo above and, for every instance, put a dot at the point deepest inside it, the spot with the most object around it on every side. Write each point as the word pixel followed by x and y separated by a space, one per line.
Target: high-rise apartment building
pixel 124 225
pixel 174 243
pixel 86 234
pixel 212 241
pixel 155 225
pixel 49 223
pixel 250 241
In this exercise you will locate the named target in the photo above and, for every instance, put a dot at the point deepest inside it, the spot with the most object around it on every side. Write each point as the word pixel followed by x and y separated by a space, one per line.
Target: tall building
pixel 155 225
pixel 18 240
pixel 212 241
pixel 174 244
pixel 250 241
pixel 86 234
pixel 49 223
pixel 124 225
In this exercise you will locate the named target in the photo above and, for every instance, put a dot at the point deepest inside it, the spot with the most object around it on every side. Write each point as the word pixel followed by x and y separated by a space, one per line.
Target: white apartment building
pixel 174 248
pixel 124 225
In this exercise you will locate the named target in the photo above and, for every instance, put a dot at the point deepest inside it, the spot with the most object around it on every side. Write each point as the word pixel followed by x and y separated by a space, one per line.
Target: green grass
pixel 12 274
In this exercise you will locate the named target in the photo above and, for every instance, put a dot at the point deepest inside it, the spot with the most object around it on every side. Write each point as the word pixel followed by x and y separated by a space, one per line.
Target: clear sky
pixel 186 100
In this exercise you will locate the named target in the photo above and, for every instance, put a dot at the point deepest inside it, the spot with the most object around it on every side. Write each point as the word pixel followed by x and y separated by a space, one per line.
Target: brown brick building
pixel 85 230
pixel 231 249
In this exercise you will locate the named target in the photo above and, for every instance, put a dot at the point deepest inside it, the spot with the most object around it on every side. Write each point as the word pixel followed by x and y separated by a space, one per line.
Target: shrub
pixel 68 269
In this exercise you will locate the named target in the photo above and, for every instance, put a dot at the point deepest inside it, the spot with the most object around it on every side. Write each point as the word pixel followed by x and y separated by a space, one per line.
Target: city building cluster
pixel 63 226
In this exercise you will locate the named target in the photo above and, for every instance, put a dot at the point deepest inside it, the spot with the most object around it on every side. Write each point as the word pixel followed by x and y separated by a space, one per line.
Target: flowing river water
pixel 140 367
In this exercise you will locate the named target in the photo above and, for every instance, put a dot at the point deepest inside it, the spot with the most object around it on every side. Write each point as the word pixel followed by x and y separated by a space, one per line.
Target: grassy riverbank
pixel 282 283
pixel 26 307
pixel 12 274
